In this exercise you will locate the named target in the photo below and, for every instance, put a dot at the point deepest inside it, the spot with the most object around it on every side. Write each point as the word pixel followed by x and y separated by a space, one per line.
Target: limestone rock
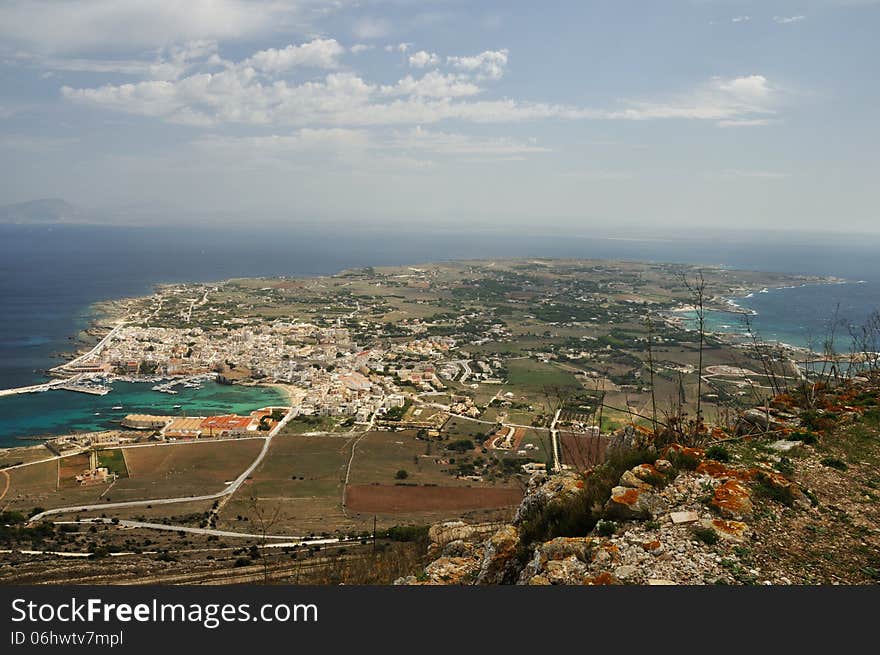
pixel 458 548
pixel 544 489
pixel 684 517
pixel 568 571
pixel 663 465
pixel 499 558
pixel 732 500
pixel 452 570
pixel 560 548
pixel 789 491
pixel 629 479
pixel 628 503
pixel 735 531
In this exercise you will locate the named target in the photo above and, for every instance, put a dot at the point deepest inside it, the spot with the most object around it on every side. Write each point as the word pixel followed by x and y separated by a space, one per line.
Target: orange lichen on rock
pixel 732 500
pixel 728 530
pixel 645 471
pixel 628 497
pixel 699 453
pixel 721 472
pixel 603 578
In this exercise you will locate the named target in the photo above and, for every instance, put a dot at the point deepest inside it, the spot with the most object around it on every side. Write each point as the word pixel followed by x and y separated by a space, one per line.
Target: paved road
pixel 96 349
pixel 205 531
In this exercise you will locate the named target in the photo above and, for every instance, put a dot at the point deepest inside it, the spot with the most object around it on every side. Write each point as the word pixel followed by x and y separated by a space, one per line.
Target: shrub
pixel 808 437
pixel 401 475
pixel 718 452
pixel 707 535
pixel 606 528
pixel 683 461
pixel 577 513
pixel 785 466
pixel 406 533
pixel 834 463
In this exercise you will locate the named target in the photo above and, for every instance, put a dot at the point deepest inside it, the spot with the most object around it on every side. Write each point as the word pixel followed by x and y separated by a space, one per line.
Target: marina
pixel 40 414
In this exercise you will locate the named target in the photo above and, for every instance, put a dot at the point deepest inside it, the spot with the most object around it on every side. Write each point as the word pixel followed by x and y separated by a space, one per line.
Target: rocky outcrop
pixel 559 561
pixel 678 520
pixel 544 489
pixel 456 538
pixel 451 571
pixel 499 563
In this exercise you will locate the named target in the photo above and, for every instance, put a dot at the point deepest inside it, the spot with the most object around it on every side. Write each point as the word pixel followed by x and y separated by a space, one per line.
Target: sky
pixel 580 115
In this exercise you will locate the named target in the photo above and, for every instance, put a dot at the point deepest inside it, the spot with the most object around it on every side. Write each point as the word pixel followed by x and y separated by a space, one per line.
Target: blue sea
pixel 51 275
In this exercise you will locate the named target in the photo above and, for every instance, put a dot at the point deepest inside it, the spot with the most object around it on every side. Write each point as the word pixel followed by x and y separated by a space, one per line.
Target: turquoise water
pixel 60 412
pixel 804 316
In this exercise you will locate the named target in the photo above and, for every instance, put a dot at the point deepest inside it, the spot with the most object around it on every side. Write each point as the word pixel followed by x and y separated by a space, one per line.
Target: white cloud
pixel 740 19
pixel 488 65
pixel 358 48
pixel 48 26
pixel 747 100
pixel 170 63
pixel 421 59
pixel 252 92
pixel 785 20
pixel 320 53
pixel 432 85
pixel 414 147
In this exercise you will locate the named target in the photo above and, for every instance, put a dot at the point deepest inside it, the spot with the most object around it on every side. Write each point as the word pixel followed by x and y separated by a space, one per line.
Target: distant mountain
pixel 44 210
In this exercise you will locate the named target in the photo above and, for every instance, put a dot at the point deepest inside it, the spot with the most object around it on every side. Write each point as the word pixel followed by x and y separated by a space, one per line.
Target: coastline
pixel 733 307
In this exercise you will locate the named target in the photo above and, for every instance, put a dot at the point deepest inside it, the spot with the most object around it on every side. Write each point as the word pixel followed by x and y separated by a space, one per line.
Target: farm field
pixel 408 500
pixel 23 455
pixel 29 486
pixel 189 469
pixel 301 477
pixel 532 376
pixel 581 451
pixel 429 487
pixel 161 471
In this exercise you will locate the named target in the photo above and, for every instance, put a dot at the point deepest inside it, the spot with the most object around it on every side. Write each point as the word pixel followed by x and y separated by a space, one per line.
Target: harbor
pixel 40 414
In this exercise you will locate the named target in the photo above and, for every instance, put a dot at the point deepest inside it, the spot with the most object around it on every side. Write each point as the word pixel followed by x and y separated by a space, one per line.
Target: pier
pixel 95 391
pixel 36 388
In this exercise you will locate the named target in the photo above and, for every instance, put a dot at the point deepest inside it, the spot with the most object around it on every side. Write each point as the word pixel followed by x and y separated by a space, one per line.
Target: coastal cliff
pixel 788 494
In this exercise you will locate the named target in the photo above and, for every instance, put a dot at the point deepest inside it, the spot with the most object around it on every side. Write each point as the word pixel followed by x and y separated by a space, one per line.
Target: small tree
pixel 401 475
pixel 265 519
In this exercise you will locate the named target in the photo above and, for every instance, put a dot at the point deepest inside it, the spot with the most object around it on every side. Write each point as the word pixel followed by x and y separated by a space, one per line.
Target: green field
pixel 114 461
pixel 530 375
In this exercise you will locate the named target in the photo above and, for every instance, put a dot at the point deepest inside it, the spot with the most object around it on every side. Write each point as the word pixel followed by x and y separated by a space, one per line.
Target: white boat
pixel 117 407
